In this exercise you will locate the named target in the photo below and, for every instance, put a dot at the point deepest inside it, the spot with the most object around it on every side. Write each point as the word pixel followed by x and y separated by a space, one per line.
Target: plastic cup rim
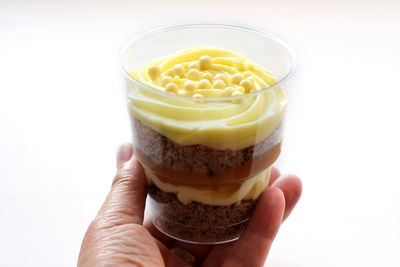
pixel 223 26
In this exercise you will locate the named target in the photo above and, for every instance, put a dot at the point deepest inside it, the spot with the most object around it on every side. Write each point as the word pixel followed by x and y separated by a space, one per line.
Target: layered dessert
pixel 206 133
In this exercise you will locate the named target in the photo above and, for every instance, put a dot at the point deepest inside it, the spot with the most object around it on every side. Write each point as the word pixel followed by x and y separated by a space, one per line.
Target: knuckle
pixel 123 175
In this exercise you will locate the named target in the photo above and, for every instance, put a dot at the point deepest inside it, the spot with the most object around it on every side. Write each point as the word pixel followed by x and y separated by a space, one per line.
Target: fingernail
pixel 124 153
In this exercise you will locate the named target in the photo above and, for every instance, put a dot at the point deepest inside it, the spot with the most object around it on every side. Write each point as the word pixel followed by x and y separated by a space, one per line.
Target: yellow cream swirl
pixel 233 123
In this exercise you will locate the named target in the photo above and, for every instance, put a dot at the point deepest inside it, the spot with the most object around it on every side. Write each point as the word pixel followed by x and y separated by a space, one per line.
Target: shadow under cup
pixel 204 192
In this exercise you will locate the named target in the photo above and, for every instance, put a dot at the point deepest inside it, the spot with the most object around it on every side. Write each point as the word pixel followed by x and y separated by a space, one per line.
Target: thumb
pixel 126 200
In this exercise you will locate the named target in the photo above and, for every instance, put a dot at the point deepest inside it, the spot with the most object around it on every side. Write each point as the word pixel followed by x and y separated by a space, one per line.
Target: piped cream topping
pixel 207 72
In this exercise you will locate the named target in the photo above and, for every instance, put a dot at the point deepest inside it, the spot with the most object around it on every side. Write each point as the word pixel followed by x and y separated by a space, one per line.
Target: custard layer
pixel 222 195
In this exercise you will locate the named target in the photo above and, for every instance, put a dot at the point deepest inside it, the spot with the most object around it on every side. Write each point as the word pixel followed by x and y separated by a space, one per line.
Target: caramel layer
pixel 234 176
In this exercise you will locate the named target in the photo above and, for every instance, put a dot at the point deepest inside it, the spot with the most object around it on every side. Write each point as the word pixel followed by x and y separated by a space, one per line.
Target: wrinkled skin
pixel 118 236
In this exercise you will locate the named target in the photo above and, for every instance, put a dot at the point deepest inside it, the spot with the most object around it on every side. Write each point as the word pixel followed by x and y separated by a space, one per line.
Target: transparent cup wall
pixel 175 172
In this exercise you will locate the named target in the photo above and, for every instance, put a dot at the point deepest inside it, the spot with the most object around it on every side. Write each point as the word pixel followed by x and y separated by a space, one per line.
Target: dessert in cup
pixel 207 125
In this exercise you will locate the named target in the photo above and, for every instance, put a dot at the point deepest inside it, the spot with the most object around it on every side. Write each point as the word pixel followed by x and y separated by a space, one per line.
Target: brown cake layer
pixel 197 222
pixel 200 163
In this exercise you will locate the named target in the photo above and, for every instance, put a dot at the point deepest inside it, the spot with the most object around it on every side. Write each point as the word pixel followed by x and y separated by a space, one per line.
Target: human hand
pixel 118 237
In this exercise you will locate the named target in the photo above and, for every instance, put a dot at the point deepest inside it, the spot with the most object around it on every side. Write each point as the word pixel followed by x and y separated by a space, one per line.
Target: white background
pixel 62 117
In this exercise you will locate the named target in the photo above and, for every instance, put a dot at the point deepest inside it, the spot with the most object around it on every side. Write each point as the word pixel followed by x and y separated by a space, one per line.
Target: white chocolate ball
pixel 166 80
pixel 193 74
pixel 154 72
pixel 205 62
pixel 247 85
pixel 204 84
pixel 236 78
pixel 197 95
pixel 252 80
pixel 190 86
pixel 229 90
pixel 179 70
pixel 171 88
pixel 221 76
pixel 208 76
pixel 219 84
pixel 236 93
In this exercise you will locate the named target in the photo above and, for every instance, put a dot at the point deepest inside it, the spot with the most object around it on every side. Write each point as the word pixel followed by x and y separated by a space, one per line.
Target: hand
pixel 118 237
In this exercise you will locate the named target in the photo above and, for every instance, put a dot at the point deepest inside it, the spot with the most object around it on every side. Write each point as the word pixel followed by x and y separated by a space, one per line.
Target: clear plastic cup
pixel 203 191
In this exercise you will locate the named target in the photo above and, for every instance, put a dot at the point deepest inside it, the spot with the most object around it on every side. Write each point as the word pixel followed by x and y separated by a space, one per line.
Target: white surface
pixel 62 116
